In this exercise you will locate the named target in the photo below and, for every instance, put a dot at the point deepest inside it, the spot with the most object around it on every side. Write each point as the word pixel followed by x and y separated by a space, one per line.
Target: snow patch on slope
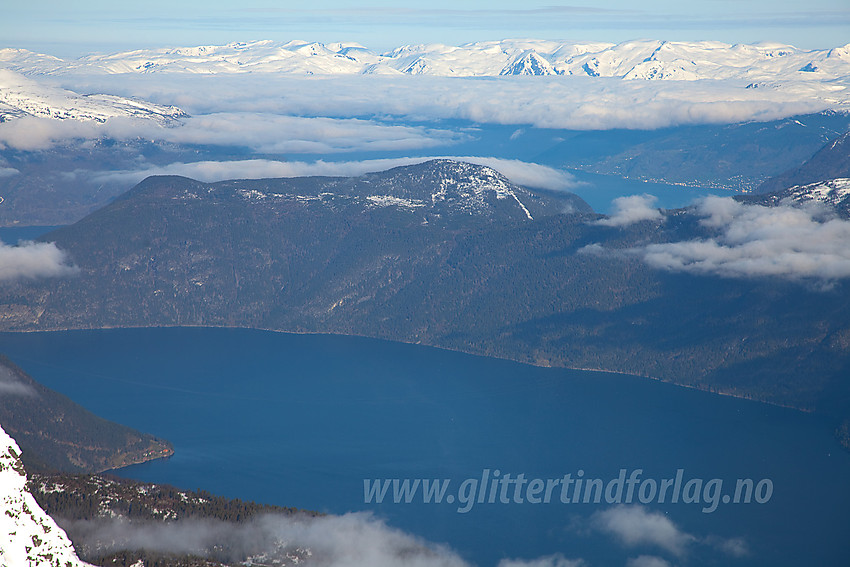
pixel 390 201
pixel 833 192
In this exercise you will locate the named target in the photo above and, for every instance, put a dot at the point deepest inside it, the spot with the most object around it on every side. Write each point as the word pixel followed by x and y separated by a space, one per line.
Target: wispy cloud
pixel 33 260
pixel 11 386
pixel 415 20
pixel 636 526
pixel 647 561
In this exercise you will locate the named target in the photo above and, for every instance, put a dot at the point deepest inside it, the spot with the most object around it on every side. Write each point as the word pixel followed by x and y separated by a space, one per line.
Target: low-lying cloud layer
pixel 259 132
pixel 352 540
pixel 757 241
pixel 33 260
pixel 519 172
pixel 362 540
pixel 580 103
pixel 274 114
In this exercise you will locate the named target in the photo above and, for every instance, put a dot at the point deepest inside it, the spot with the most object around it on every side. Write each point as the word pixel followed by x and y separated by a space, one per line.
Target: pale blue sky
pixel 73 28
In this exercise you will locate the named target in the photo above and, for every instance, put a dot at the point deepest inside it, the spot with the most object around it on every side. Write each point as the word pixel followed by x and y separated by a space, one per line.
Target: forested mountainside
pixel 451 255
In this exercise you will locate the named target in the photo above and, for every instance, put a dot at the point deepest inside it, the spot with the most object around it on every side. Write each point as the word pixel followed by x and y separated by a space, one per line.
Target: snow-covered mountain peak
pixel 28 536
pixel 450 187
pixel 24 60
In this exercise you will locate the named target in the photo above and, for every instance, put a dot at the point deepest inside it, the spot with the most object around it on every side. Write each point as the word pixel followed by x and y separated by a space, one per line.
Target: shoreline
pixel 724 393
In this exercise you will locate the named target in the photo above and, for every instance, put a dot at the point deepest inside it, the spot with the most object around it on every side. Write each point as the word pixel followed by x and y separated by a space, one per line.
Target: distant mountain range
pixel 759 64
pixel 451 255
pixel 743 157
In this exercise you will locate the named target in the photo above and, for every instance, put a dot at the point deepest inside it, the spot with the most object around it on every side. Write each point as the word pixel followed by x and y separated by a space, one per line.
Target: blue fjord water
pixel 301 420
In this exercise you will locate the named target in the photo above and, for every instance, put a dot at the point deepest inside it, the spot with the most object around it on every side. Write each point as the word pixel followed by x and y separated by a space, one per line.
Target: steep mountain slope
pixel 832 161
pixel 28 536
pixel 735 156
pixel 477 275
pixel 58 434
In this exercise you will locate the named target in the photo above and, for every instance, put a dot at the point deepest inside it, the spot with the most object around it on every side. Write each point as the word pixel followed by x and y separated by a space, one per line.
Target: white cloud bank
pixel 271 113
pixel 519 172
pixel 756 241
pixel 631 209
pixel 33 260
pixel 580 103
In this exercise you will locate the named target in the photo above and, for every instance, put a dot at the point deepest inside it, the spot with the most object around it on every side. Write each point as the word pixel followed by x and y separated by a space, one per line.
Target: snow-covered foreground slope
pixel 642 59
pixel 21 96
pixel 28 536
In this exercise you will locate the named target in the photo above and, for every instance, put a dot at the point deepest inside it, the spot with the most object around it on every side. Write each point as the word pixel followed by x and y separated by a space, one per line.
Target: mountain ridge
pixel 760 64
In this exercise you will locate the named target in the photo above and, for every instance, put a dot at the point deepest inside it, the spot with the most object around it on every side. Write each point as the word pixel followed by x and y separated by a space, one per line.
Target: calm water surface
pixel 301 420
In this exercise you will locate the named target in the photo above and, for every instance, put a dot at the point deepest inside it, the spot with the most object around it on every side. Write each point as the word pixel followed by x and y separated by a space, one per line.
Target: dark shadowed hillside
pixel 830 162
pixel 57 434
